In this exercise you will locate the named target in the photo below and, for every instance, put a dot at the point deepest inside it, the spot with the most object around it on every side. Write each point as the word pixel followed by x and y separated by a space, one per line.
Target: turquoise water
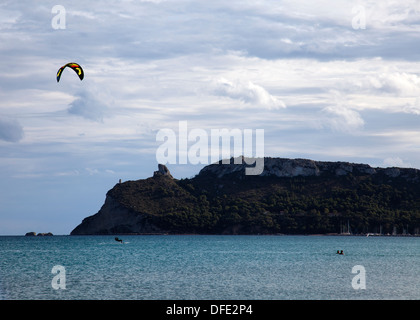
pixel 209 267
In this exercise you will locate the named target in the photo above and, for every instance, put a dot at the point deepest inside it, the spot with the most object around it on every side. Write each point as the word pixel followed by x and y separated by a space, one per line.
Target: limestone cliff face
pixel 282 167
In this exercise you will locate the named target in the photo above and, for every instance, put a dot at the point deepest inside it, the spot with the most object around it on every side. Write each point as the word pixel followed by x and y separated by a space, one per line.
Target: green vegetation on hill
pixel 236 203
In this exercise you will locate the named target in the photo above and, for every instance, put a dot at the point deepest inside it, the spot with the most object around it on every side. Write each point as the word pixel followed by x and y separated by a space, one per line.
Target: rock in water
pixel 41 234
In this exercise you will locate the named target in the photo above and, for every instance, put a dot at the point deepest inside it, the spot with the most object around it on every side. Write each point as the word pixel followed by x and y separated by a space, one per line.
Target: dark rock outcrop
pixel 115 218
pixel 44 234
pixel 41 234
pixel 162 171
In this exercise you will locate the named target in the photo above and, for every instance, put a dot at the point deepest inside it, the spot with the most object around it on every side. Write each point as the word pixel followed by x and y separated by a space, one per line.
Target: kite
pixel 75 66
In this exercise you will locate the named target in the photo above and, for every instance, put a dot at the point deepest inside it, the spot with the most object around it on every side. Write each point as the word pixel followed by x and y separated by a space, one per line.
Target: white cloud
pixel 248 93
pixel 396 162
pixel 91 171
pixel 391 14
pixel 67 173
pixel 341 118
pixel 413 108
pixel 401 83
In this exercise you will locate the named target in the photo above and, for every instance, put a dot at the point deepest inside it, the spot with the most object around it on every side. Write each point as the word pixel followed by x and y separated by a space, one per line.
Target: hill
pixel 291 196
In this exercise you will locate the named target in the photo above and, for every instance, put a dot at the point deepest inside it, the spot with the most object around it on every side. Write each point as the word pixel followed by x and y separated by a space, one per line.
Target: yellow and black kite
pixel 75 66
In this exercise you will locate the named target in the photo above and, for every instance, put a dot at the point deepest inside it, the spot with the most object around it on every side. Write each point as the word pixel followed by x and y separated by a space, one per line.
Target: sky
pixel 328 80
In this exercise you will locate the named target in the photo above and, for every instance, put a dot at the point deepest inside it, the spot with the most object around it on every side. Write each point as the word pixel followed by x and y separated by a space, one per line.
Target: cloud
pixel 341 118
pixel 248 93
pixel 10 130
pixel 88 106
pixel 401 83
pixel 396 162
pixel 67 173
pixel 413 108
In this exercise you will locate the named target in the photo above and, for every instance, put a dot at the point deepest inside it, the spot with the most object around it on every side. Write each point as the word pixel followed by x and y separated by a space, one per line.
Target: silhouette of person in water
pixel 340 252
pixel 119 240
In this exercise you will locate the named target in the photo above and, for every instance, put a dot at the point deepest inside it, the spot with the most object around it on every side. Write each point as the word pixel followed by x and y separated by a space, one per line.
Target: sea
pixel 209 267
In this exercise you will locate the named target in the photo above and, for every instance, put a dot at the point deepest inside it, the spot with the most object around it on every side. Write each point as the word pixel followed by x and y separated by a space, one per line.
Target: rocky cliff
pixel 289 196
pixel 281 167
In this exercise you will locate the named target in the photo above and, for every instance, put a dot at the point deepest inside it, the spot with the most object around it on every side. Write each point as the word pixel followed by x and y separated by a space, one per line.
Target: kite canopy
pixel 75 66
